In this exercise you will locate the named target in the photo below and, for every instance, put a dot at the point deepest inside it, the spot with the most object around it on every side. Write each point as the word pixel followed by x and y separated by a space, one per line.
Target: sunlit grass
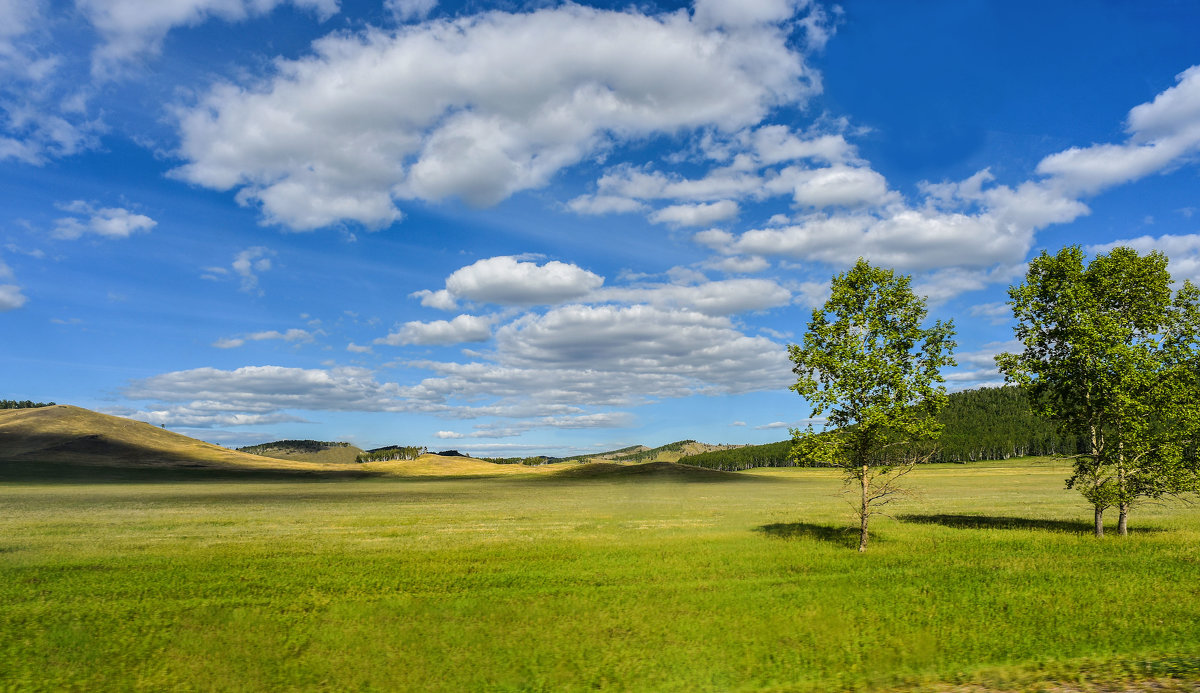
pixel 535 582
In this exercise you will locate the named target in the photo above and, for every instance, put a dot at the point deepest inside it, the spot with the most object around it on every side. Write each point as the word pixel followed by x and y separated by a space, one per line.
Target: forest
pixel 991 423
pixel 23 404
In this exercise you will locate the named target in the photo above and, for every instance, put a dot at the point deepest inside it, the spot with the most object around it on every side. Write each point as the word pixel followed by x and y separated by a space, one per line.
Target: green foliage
pixel 391 453
pixel 744 457
pixel 292 446
pixel 1110 353
pixel 652 453
pixel 534 461
pixel 23 404
pixel 874 372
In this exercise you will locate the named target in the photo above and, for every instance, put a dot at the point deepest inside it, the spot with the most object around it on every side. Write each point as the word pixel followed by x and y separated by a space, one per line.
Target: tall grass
pixel 543 583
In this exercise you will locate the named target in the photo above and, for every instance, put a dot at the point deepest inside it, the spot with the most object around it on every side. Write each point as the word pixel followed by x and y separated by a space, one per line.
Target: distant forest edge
pixel 293 445
pixel 23 404
pixel 993 423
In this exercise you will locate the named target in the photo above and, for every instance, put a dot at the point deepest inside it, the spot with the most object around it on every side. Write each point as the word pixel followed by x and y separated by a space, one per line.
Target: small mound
pixel 648 470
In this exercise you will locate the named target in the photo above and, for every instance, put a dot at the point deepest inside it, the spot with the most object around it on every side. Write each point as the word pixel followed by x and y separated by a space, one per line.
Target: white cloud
pixel 268 389
pixel 997 313
pixel 1160 133
pixel 464 328
pixel 604 204
pixel 478 107
pixel 251 262
pixel 440 299
pixel 837 186
pixel 772 426
pixel 448 435
pixel 505 280
pixel 108 222
pixel 11 297
pixel 696 214
pixel 132 28
pixel 293 335
pixel 358 349
pixel 717 298
pixel 407 10
pixel 739 265
pixel 693 351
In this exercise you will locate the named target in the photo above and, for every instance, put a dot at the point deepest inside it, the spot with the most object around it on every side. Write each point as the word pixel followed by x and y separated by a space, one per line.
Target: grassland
pixel 602 579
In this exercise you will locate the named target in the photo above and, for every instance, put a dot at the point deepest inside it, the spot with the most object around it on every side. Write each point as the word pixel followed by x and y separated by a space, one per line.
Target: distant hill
pixel 992 423
pixel 74 436
pixel 671 452
pixel 319 451
pixel 646 470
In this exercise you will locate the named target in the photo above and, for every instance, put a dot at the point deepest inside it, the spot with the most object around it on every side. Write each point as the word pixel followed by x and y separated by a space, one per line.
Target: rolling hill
pixel 64 434
pixel 318 451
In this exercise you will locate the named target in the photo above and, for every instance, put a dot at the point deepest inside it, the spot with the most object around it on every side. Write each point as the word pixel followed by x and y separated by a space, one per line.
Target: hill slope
pixel 67 434
pixel 320 452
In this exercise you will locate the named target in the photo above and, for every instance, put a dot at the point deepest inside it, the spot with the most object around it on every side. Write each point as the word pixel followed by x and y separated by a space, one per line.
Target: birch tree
pixel 1110 353
pixel 874 372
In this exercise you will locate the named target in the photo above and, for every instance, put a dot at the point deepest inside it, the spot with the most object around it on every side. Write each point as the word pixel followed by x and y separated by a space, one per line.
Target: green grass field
pixel 622 582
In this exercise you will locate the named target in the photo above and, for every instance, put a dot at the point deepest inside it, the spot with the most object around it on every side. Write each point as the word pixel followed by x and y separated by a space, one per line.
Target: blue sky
pixel 519 228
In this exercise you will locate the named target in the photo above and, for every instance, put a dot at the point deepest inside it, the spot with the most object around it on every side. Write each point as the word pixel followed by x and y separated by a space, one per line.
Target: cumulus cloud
pixel 407 10
pixel 507 280
pixel 464 328
pixel 696 214
pixel 715 298
pixel 10 294
pixel 107 222
pixel 293 335
pixel 132 28
pixel 1160 133
pixel 477 107
pixel 269 389
pixel 11 297
pixel 249 263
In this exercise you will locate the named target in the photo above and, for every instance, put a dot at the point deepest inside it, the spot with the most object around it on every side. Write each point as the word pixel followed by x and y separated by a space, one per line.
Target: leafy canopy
pixel 871 369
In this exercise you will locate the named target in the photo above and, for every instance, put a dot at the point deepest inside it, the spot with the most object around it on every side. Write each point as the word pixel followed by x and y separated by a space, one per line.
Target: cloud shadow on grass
pixel 1007 522
pixel 840 535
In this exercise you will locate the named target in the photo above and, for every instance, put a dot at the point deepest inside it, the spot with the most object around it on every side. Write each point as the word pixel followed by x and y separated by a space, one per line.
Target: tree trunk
pixel 1122 524
pixel 1099 521
pixel 863 514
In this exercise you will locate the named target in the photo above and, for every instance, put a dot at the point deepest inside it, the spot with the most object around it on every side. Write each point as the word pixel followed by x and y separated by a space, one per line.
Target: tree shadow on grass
pixel 841 535
pixel 1005 522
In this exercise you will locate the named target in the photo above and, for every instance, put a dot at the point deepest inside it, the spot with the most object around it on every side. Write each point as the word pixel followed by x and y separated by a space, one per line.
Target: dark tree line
pixel 23 404
pixel 391 453
pixel 293 445
pixel 991 423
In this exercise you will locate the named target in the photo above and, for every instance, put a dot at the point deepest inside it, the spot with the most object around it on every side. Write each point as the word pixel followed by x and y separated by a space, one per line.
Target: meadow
pixel 587 581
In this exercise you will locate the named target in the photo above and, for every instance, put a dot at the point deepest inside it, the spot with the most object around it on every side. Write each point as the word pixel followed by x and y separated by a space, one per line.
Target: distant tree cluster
pixel 1111 352
pixel 527 461
pixel 293 446
pixel 653 453
pixel 23 404
pixel 997 423
pixel 744 457
pixel 391 453
pixel 990 423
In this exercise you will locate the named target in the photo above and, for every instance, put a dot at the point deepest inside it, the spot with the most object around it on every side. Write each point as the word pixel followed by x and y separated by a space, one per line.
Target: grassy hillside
pixel 318 451
pixel 540 582
pixel 67 435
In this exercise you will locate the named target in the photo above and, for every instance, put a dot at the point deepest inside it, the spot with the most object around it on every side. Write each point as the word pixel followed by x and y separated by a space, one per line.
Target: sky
pixel 518 228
